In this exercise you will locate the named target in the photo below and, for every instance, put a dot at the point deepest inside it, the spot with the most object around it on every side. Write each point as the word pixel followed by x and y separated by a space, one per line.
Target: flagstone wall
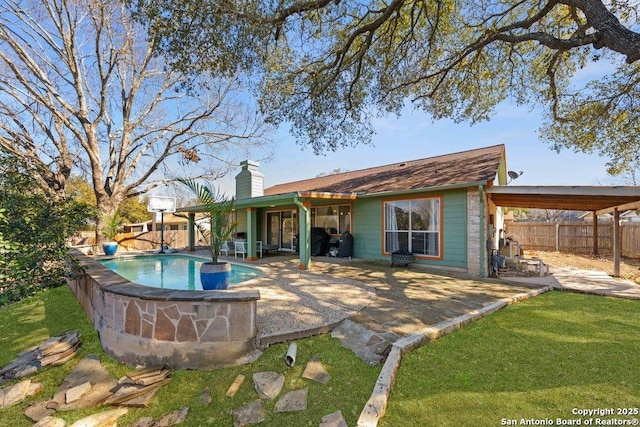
pixel 152 327
pixel 473 232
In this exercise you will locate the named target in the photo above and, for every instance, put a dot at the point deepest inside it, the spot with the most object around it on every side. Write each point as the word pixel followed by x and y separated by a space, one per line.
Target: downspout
pixel 304 247
pixel 482 243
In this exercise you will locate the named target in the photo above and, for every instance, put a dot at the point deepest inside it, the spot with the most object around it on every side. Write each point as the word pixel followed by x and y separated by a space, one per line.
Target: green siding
pixel 368 229
pixel 455 229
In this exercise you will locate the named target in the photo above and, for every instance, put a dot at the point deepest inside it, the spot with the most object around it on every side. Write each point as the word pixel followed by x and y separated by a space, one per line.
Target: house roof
pixel 480 165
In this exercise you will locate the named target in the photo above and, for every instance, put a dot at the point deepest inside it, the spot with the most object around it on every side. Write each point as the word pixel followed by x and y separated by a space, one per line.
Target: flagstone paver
pixel 14 394
pixel 205 396
pixel 251 413
pixel 334 419
pixel 89 370
pixel 268 384
pixel 293 401
pixel 172 418
pixel 50 421
pixel 105 418
pixel 315 371
pixel 37 411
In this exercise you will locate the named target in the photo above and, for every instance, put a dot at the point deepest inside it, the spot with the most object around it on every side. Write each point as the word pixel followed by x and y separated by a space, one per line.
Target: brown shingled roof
pixel 450 169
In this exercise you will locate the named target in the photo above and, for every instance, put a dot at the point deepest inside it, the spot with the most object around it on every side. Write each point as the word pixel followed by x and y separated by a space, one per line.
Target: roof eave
pixel 327 195
pixel 425 189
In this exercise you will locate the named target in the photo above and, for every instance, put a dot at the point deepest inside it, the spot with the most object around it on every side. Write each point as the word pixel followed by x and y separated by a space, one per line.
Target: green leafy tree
pixel 80 190
pixel 329 66
pixel 134 210
pixel 34 229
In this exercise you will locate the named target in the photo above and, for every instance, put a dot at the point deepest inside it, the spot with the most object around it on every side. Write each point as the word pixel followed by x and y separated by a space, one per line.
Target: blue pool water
pixel 171 271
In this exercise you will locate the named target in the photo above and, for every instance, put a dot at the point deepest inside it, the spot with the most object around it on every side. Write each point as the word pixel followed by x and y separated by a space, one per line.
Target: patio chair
pixel 224 248
pixel 240 248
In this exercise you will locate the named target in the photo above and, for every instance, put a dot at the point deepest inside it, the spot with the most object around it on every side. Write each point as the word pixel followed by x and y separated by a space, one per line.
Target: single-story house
pixel 437 208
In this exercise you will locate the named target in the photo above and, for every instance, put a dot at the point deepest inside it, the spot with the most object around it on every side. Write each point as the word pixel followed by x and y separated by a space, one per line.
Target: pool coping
pixel 126 287
pixel 181 329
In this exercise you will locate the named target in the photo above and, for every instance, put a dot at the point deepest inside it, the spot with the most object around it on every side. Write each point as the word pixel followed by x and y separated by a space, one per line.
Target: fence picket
pixel 574 237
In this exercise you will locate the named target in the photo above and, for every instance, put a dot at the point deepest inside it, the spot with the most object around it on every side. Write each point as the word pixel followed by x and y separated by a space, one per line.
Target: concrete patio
pixel 585 281
pixel 393 301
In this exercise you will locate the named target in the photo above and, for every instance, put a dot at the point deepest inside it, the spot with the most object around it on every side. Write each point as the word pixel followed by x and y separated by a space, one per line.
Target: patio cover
pixel 597 199
pixel 578 198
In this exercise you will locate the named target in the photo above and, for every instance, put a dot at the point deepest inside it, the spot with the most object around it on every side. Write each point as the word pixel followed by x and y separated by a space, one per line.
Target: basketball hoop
pixel 162 205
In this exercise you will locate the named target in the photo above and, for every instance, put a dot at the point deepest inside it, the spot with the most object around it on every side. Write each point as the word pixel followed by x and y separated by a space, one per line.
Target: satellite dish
pixel 513 175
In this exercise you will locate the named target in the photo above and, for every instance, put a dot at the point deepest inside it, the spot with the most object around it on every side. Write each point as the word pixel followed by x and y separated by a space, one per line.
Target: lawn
pixel 55 311
pixel 538 359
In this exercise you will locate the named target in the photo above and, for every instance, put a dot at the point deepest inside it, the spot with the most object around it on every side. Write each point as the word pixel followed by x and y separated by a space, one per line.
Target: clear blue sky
pixel 414 136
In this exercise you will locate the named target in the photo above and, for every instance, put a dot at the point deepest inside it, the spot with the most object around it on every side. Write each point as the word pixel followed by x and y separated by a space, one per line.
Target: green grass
pixel 537 359
pixel 54 312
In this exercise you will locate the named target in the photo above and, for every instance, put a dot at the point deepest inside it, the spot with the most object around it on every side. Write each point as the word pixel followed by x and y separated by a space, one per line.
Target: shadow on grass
pixel 32 321
pixel 56 311
pixel 537 359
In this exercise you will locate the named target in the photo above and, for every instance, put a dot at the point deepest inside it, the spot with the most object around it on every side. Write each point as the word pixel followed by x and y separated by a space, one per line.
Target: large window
pixel 413 225
pixel 335 219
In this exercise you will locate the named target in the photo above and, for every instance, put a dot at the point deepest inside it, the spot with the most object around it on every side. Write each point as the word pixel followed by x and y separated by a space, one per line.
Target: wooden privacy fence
pixel 148 240
pixel 575 237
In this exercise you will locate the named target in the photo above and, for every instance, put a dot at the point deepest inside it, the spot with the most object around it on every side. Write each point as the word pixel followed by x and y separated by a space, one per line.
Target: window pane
pixel 425 214
pixel 327 217
pixel 425 243
pixel 345 219
pixel 433 244
pixel 395 240
pixel 418 243
pixel 397 215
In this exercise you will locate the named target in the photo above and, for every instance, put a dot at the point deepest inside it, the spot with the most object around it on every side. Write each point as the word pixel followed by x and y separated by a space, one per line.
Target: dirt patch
pixel 629 267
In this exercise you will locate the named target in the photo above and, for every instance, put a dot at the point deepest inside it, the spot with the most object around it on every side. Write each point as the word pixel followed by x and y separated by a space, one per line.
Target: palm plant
pixel 217 208
pixel 111 226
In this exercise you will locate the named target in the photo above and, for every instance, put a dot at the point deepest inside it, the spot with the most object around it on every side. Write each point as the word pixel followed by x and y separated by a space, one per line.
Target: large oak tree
pixel 82 90
pixel 329 65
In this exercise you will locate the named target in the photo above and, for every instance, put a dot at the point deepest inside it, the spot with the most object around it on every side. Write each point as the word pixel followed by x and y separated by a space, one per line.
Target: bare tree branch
pixel 81 86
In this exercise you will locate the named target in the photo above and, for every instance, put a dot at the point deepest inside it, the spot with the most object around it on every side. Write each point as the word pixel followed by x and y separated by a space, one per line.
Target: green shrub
pixel 34 228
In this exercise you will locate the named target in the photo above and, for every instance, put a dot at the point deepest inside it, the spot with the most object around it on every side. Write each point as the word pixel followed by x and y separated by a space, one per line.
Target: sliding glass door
pixel 282 227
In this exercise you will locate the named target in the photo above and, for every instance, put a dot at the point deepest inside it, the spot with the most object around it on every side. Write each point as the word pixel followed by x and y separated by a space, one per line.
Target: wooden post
pixel 557 236
pixel 595 233
pixel 616 243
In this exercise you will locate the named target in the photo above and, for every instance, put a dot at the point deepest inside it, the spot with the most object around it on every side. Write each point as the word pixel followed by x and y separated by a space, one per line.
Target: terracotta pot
pixel 215 276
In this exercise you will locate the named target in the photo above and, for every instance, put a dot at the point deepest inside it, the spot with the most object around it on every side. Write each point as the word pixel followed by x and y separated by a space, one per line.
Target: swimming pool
pixel 171 271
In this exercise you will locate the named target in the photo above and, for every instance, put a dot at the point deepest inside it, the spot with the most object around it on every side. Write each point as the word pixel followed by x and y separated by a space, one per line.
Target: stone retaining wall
pixel 149 326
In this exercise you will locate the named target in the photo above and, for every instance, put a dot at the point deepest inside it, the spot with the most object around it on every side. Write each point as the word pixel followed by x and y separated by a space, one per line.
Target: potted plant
pixel 109 231
pixel 218 228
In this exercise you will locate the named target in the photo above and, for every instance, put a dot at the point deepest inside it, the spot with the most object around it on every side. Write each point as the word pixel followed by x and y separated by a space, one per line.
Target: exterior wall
pixel 368 231
pixel 154 327
pixel 240 216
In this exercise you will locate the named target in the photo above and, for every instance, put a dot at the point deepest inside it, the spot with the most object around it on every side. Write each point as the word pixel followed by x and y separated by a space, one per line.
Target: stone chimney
pixel 250 181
